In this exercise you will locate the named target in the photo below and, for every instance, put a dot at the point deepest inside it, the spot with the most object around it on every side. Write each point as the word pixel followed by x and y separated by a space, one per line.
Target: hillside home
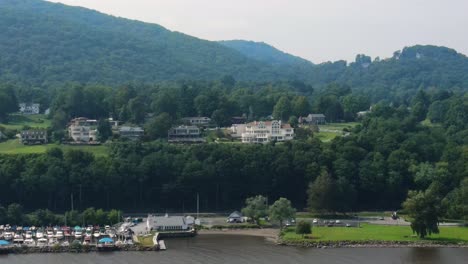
pixel 33 137
pixel 265 131
pixel 132 133
pixel 185 134
pixel 313 119
pixel 83 130
pixel 29 109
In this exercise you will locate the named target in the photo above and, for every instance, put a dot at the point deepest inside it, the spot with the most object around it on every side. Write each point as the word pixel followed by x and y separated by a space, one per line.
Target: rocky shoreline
pixel 71 249
pixel 368 244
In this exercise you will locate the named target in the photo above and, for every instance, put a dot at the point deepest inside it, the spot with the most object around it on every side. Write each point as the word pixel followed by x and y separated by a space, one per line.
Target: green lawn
pixel 338 126
pixel 146 241
pixel 17 121
pixel 15 147
pixel 369 232
pixel 333 130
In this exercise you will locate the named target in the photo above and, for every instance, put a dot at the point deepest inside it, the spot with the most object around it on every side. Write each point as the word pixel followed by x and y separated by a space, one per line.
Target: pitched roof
pixel 235 214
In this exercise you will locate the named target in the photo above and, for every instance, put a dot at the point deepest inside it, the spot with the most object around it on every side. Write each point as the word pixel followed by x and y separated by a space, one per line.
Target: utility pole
pixel 198 206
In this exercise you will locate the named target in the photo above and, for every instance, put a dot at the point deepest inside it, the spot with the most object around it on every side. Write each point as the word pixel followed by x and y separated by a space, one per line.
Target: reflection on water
pixel 211 249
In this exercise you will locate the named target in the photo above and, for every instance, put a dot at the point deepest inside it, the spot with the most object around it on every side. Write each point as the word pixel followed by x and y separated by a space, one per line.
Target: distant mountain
pixel 46 44
pixel 263 52
pixel 43 43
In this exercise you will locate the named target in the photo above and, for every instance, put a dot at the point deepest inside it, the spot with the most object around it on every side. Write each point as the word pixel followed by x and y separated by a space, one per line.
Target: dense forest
pixel 390 152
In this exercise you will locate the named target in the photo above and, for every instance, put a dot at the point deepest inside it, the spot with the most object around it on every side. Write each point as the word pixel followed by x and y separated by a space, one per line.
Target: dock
pixel 162 245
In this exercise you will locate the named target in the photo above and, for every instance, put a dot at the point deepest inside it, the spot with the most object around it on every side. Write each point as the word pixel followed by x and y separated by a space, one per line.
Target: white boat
pixel 29 234
pixel 18 239
pixel 78 234
pixel 59 234
pixel 29 242
pixel 53 241
pixel 65 243
pixel 42 242
pixel 8 236
pixel 96 234
pixel 50 234
pixel 39 234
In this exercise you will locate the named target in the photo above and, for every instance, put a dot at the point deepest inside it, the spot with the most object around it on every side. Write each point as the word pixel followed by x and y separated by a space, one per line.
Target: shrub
pixel 303 228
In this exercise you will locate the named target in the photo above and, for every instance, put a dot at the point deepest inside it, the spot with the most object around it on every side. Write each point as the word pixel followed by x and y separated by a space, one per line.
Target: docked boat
pixel 106 244
pixel 39 234
pixel 59 234
pixel 96 234
pixel 29 242
pixel 53 241
pixel 8 236
pixel 50 234
pixel 42 242
pixel 78 234
pixel 18 239
pixel 28 234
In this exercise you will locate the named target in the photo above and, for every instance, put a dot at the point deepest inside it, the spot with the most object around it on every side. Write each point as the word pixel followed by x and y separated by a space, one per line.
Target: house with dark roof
pixel 313 119
pixel 132 133
pixel 33 137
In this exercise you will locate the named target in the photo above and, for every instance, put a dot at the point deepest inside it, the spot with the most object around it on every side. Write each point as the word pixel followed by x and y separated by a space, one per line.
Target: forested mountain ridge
pixel 266 53
pixel 44 43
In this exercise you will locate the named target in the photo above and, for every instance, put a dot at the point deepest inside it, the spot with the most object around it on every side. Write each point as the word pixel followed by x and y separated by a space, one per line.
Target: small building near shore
pixel 235 217
pixel 167 223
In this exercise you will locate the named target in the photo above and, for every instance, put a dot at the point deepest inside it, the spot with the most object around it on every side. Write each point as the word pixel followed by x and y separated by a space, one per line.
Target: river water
pixel 210 249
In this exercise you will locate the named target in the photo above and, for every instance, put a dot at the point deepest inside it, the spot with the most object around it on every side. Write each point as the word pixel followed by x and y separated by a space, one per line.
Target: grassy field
pixel 15 147
pixel 332 130
pixel 19 121
pixel 378 232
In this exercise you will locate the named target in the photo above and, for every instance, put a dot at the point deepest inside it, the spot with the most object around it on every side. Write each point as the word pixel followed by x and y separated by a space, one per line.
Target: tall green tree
pixel 282 210
pixel 423 209
pixel 282 109
pixel 255 208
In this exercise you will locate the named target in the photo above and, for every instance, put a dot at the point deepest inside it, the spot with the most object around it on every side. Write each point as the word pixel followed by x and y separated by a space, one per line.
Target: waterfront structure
pixel 29 108
pixel 313 119
pixel 33 137
pixel 265 131
pixel 83 130
pixel 196 121
pixel 185 134
pixel 167 223
pixel 132 133
pixel 235 217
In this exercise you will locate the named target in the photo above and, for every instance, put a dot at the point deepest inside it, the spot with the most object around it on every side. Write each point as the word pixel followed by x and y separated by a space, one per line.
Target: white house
pixel 29 109
pixel 167 223
pixel 235 217
pixel 265 131
pixel 83 130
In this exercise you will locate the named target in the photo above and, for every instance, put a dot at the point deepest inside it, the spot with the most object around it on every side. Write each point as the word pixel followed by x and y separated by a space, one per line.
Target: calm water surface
pixel 210 249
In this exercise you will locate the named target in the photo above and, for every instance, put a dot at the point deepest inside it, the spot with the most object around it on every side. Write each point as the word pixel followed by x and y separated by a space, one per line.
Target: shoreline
pixel 272 235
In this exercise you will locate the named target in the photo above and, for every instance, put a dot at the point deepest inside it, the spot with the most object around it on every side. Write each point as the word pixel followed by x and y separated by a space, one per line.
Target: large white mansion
pixel 263 131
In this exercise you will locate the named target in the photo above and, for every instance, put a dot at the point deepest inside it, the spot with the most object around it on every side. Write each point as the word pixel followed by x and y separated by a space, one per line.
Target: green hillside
pixel 45 43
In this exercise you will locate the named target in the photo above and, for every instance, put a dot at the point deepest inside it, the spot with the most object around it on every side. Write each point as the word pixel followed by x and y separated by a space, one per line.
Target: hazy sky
pixel 318 30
